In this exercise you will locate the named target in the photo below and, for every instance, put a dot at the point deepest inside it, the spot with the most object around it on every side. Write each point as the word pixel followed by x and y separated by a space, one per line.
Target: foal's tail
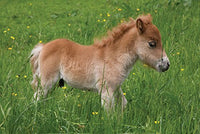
pixel 34 60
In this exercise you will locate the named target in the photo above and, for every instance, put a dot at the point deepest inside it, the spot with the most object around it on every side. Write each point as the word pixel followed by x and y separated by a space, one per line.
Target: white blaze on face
pixel 163 64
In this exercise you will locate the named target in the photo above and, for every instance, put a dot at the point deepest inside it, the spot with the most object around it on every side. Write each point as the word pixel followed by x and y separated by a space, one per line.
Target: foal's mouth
pixel 163 64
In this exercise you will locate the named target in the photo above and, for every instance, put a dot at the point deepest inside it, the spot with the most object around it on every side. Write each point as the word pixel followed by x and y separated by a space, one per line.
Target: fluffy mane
pixel 115 34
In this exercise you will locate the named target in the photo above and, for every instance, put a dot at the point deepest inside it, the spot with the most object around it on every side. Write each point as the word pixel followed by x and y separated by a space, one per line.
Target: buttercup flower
pixel 28 27
pixel 182 69
pixel 94 113
pixel 69 25
pixel 12 37
pixel 25 76
pixel 40 42
pixel 108 14
pixel 133 73
pixel 8 29
pixel 124 94
pixel 119 9
pixel 156 122
pixel 104 20
pixel 178 53
pixel 14 94
pixel 79 105
pixel 145 65
pixel 64 88
pixel 10 48
pixel 5 31
pixel 138 9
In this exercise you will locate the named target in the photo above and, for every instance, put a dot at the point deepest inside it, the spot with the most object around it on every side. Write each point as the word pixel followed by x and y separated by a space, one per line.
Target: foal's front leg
pixel 107 98
pixel 122 98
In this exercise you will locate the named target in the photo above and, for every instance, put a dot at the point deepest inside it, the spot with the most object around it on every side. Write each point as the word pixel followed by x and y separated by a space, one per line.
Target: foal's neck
pixel 123 50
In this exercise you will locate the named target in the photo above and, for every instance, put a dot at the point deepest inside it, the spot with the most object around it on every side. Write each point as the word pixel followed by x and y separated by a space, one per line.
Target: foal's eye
pixel 152 44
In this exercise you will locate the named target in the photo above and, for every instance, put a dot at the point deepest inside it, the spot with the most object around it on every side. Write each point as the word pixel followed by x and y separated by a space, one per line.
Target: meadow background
pixel 167 103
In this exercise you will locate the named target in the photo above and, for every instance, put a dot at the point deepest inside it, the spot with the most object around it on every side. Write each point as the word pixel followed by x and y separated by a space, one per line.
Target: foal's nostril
pixel 168 64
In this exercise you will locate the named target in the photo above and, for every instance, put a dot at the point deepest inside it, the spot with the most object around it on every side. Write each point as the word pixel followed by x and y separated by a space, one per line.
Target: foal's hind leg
pixel 48 78
pixel 48 83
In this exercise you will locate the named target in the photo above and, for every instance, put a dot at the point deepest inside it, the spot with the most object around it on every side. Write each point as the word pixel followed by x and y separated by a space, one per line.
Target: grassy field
pixel 161 103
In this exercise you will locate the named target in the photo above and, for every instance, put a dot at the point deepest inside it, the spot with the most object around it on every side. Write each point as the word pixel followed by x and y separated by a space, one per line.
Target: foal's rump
pixel 44 61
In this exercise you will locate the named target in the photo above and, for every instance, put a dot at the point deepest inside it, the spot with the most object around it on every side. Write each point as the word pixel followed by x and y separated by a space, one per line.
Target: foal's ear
pixel 140 26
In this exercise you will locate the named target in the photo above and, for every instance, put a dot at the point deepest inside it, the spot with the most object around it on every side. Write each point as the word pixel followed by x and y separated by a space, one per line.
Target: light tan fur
pixel 100 67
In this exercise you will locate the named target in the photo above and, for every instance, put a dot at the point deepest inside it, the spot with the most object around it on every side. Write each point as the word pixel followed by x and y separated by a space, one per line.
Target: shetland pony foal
pixel 103 66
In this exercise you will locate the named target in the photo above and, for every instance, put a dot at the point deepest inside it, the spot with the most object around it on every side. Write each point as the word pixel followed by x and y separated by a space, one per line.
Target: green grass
pixel 172 98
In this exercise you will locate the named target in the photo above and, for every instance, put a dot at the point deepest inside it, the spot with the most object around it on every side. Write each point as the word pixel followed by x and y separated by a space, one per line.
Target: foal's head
pixel 149 46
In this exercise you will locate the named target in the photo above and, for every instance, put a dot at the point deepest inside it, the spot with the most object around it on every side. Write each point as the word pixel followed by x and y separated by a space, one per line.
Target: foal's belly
pixel 81 81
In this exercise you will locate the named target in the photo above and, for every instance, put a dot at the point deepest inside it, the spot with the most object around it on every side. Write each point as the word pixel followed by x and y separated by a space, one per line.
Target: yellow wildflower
pixel 69 25
pixel 64 88
pixel 101 14
pixel 14 94
pixel 133 73
pixel 40 41
pixel 182 69
pixel 10 48
pixel 156 122
pixel 108 14
pixel 12 37
pixel 124 94
pixel 79 105
pixel 104 20
pixel 98 20
pixel 17 76
pixel 178 53
pixel 138 9
pixel 25 76
pixel 119 9
pixel 30 36
pixel 94 113
pixel 28 27
pixel 145 65
pixel 155 11
pixel 5 31
pixel 8 29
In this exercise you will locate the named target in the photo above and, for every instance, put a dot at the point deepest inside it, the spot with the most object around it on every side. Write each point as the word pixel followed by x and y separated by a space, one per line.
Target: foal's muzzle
pixel 163 64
